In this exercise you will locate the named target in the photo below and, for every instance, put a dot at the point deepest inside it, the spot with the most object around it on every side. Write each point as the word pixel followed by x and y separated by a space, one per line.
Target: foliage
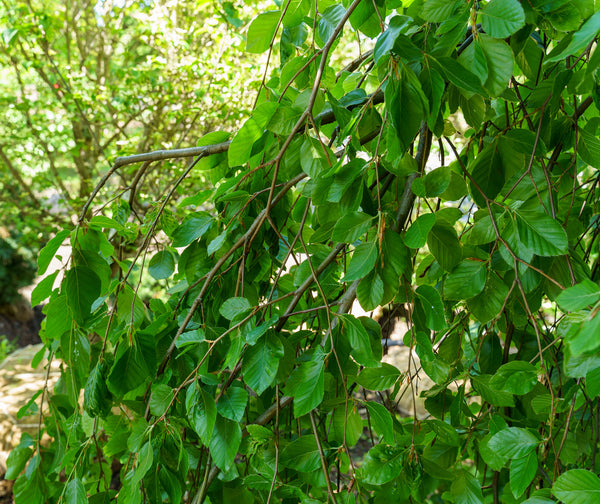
pixel 250 380
pixel 84 82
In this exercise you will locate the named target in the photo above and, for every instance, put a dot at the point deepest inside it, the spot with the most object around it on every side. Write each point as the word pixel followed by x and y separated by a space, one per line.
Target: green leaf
pixel 379 378
pixel 194 225
pixel 235 307
pixel 487 175
pixel 82 287
pixel 201 410
pixel 516 377
pixel 370 291
pixel 302 454
pixel 261 31
pixel 381 421
pixel 49 251
pixel 458 75
pixel 577 486
pixel 161 398
pixel 522 472
pixel 439 10
pixel 17 459
pixel 96 397
pixel 232 404
pixel 315 158
pixel 437 181
pixel 579 296
pixel 580 40
pixel 225 442
pixel 306 385
pixel 359 340
pixel 362 262
pixel 587 337
pixel 466 489
pixel 75 492
pixel 416 235
pixel 385 41
pixel 162 265
pixel 351 227
pixel 382 464
pixel 487 305
pixel 500 62
pixel 495 397
pixel 43 289
pixel 588 147
pixel 429 305
pixel 466 280
pixel 331 17
pixel 394 253
pixel 513 442
pixel 444 245
pixel 482 232
pixel 128 372
pixel 407 106
pixel 261 362
pixel 502 18
pixel 541 234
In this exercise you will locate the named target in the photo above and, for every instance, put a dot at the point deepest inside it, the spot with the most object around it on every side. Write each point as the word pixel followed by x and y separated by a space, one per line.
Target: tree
pixel 243 381
pixel 85 83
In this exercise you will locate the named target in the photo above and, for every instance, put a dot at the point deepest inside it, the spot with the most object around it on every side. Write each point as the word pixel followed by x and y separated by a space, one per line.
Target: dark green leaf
pixel 96 397
pixel 362 262
pixel 579 296
pixel 162 265
pixel 43 289
pixel 381 421
pixel 439 10
pixel 302 454
pixel 487 305
pixel 82 287
pixel 359 340
pixel 201 410
pixel 370 291
pixel 416 235
pixel 351 227
pixel 502 18
pixel 466 280
pixel 516 377
pixel 540 233
pixel 577 486
pixel 306 385
pixel 430 304
pixel 261 362
pixel 488 175
pixel 378 378
pixel 466 489
pixel 193 227
pixel 513 442
pixel 224 443
pixel 444 245
pixel 232 404
pixel 75 492
pixel 580 39
pixel 161 398
pixel 235 307
pixel 383 463
pixel 522 472
pixel 49 251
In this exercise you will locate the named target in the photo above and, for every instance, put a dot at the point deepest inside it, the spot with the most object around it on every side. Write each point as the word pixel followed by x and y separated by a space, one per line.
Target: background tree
pixel 85 82
pixel 245 381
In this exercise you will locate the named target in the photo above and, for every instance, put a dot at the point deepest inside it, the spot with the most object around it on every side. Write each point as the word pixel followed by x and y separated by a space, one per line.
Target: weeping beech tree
pixel 436 155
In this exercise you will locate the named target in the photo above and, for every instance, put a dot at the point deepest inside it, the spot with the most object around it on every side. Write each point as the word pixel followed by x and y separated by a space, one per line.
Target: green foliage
pixel 451 173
